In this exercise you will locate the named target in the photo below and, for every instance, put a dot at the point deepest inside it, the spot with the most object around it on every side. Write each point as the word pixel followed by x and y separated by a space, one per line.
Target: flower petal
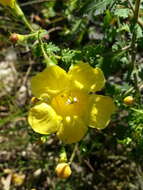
pixel 43 119
pixel 51 81
pixel 86 77
pixel 72 130
pixel 102 110
pixel 7 2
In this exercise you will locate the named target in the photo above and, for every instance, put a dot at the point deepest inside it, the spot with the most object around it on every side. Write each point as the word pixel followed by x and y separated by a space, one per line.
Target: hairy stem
pixel 46 57
pixel 21 16
pixel 133 45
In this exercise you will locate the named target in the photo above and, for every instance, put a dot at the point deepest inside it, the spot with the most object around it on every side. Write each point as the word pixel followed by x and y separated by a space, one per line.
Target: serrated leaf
pixel 139 32
pixel 69 56
pixel 98 5
pixel 51 48
pixel 123 13
pixel 124 27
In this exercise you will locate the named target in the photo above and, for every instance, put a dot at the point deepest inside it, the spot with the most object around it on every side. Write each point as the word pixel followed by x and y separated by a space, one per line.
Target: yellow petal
pixel 72 130
pixel 7 2
pixel 43 119
pixel 51 81
pixel 86 77
pixel 102 110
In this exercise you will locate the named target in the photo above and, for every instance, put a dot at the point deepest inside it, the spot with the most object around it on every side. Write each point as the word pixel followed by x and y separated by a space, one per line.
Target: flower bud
pixel 63 170
pixel 14 38
pixel 34 100
pixel 128 100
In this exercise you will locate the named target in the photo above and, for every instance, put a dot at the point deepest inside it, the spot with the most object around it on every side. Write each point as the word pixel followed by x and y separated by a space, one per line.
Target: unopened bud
pixel 128 100
pixel 63 170
pixel 14 38
pixel 34 100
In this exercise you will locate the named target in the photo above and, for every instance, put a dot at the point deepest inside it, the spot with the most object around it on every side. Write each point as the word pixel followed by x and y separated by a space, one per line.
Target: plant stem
pixel 137 8
pixel 47 59
pixel 34 35
pixel 35 2
pixel 21 15
pixel 140 22
pixel 136 110
pixel 133 45
pixel 73 153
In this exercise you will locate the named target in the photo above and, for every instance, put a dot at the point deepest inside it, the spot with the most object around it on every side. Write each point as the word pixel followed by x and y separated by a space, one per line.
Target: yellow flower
pixel 18 179
pixel 67 102
pixel 9 3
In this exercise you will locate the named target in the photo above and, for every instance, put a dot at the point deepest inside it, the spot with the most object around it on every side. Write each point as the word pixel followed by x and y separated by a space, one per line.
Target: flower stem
pixel 73 153
pixel 48 61
pixel 138 111
pixel 21 15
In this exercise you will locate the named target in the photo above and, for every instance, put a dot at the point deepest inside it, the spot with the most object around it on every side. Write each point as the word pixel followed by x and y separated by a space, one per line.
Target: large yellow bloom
pixel 8 2
pixel 66 103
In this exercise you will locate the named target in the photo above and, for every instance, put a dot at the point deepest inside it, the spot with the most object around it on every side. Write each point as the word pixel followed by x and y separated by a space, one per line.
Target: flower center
pixel 71 103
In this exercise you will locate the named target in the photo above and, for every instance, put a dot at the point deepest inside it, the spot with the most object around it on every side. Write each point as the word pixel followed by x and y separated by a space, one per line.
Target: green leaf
pixel 51 48
pixel 124 27
pixel 139 32
pixel 70 56
pixel 123 13
pixel 98 6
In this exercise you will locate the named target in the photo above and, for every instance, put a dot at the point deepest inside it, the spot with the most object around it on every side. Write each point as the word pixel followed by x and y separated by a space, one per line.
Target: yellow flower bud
pixel 63 170
pixel 34 100
pixel 128 100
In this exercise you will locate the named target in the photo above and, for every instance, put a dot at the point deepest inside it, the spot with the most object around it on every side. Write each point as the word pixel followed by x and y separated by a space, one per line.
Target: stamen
pixel 72 100
pixel 75 99
pixel 69 101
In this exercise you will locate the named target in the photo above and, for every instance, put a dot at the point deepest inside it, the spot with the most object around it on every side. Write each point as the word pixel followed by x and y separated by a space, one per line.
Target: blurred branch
pixel 89 165
pixel 54 29
pixel 109 53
